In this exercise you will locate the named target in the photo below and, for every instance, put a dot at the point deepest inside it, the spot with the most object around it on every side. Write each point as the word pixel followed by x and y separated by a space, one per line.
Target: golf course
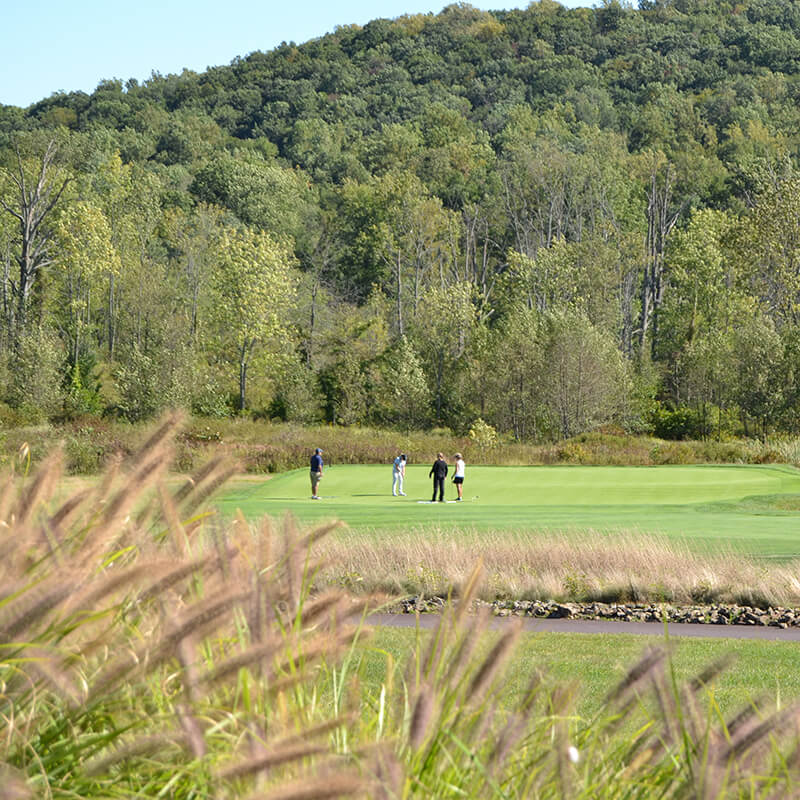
pixel 754 510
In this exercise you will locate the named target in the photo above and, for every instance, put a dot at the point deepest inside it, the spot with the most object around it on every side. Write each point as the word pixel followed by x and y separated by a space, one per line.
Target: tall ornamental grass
pixel 144 657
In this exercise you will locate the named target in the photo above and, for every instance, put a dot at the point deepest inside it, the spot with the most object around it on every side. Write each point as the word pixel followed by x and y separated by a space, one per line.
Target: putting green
pixel 754 509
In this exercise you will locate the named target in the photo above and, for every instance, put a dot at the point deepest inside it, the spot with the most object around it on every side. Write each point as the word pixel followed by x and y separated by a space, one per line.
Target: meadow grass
pixel 609 568
pixel 263 446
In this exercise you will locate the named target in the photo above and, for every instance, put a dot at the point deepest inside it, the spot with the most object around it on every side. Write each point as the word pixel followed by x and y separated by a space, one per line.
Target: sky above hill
pixel 51 46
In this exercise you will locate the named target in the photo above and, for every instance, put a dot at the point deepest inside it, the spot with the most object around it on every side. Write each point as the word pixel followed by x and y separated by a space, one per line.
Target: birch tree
pixel 36 190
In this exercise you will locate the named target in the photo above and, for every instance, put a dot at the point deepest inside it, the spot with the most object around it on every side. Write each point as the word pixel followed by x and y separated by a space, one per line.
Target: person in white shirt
pixel 458 478
pixel 398 474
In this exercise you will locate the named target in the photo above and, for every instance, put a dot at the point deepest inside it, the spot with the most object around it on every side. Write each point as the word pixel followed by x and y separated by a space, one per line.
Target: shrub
pixel 483 435
pixel 677 423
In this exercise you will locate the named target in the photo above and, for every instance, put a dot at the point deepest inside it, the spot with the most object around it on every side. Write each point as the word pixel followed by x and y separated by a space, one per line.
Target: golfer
pixel 316 472
pixel 398 475
pixel 439 472
pixel 458 478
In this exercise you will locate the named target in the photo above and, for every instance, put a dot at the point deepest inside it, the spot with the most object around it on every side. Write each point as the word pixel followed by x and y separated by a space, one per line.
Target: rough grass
pixel 91 443
pixel 584 567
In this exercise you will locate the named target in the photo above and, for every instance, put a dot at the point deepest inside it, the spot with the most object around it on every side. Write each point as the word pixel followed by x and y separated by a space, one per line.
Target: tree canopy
pixel 507 213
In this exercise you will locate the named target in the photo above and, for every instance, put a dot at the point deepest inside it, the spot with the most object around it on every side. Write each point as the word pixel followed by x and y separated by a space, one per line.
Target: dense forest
pixel 545 219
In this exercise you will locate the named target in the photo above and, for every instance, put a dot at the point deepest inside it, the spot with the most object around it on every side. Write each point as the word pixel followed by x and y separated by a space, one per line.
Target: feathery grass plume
pixel 428 667
pixel 341 783
pixel 187 656
pixel 389 775
pixel 468 592
pixel 509 737
pixel 61 519
pixel 222 473
pixel 40 489
pixel 204 564
pixel 312 649
pixel 33 604
pixel 276 756
pixel 83 590
pixel 123 579
pixel 196 479
pixel 253 655
pixel 755 736
pixel 493 662
pixel 54 674
pixel 422 716
pixel 667 705
pixel 653 659
pixel 135 748
pixel 293 557
pixel 13 786
pixel 323 608
pixel 710 672
pixel 192 730
pixel 8 496
pixel 122 503
pixel 744 720
pixel 198 620
pixel 459 661
pixel 177 533
pixel 316 534
pixel 163 434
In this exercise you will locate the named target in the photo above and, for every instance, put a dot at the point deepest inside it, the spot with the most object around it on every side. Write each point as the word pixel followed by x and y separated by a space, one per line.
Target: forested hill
pixel 548 219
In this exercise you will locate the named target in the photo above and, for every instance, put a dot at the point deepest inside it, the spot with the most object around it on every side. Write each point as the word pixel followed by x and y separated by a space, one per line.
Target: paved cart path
pixel 534 625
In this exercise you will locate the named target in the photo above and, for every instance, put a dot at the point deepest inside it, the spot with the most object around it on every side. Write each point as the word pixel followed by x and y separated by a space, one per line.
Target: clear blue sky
pixel 57 45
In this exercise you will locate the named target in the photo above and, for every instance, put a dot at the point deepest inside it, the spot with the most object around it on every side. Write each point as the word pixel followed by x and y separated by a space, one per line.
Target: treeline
pixel 546 220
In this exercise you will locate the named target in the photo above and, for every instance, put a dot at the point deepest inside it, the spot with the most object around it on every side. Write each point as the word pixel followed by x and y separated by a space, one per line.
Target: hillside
pixel 547 219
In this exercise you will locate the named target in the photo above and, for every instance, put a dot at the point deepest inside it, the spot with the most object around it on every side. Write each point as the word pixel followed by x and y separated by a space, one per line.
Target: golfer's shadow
pixel 368 495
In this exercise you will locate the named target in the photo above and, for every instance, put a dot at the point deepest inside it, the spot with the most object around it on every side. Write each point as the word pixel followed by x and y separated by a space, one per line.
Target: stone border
pixel 620 612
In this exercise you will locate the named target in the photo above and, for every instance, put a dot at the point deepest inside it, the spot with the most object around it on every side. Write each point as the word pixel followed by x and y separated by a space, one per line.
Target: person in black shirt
pixel 439 472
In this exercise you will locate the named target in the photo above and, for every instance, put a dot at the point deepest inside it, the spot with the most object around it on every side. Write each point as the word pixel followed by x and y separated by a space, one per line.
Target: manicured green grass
pixel 750 509
pixel 597 662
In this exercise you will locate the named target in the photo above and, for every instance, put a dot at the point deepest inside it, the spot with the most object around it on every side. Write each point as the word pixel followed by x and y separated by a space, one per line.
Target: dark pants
pixel 438 483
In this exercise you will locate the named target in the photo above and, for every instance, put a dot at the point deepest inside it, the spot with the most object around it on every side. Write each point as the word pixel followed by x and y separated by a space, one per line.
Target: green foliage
pixel 483 435
pixel 632 171
pixel 149 384
pixel 677 423
pixel 35 368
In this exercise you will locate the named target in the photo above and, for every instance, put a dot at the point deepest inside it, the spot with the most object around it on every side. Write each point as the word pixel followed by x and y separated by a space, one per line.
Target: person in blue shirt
pixel 316 472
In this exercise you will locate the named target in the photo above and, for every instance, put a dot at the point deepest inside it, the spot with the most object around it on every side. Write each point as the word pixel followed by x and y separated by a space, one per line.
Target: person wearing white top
pixel 398 474
pixel 458 478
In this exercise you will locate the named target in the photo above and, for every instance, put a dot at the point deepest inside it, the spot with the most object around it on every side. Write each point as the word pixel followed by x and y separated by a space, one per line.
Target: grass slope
pixel 752 509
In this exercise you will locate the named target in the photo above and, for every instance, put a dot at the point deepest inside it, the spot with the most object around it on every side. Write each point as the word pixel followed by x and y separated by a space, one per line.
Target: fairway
pixel 751 509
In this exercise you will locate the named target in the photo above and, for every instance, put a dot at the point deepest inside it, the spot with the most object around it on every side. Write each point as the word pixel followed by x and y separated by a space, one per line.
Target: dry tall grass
pixel 581 567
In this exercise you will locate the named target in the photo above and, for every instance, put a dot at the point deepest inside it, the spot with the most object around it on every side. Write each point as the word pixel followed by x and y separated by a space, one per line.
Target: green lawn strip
pixel 750 509
pixel 597 662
